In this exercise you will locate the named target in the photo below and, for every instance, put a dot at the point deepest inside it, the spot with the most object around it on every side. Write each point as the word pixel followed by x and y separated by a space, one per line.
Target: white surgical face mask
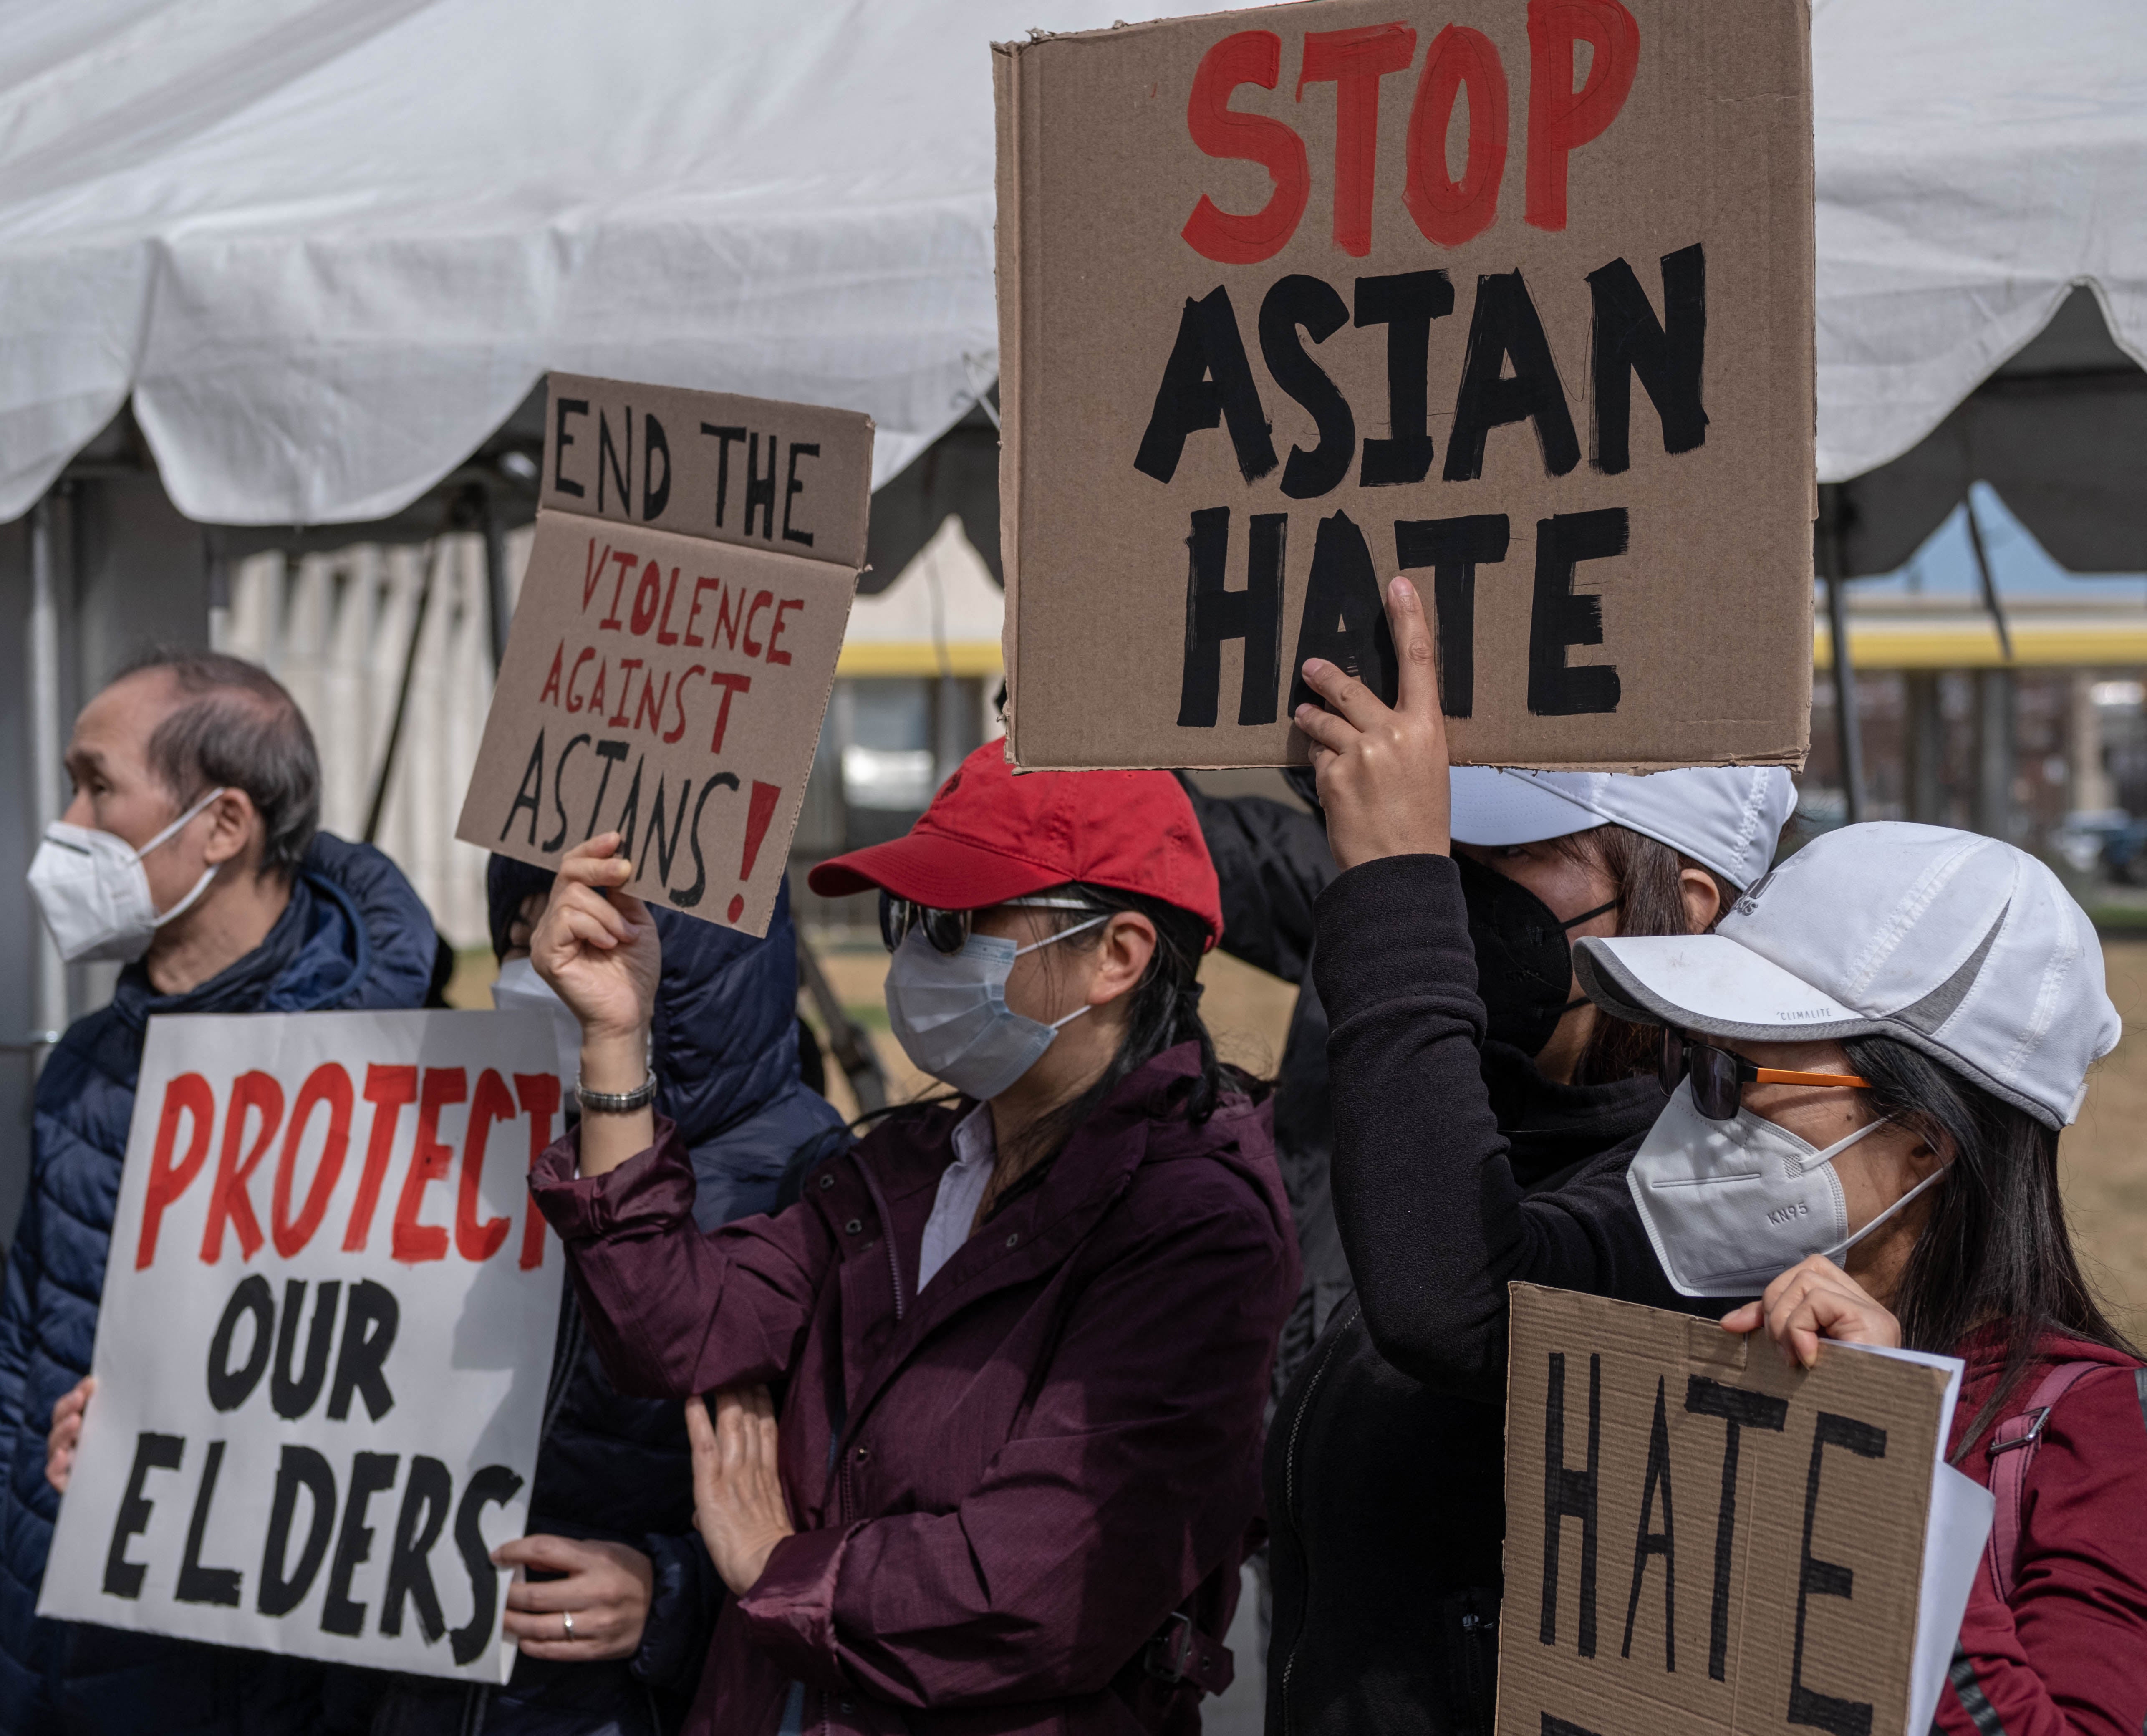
pixel 1731 1205
pixel 519 989
pixel 949 1013
pixel 93 892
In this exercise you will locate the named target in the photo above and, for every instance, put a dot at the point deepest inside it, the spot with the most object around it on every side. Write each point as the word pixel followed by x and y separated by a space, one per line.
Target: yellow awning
pixel 1971 642
pixel 919 657
pixel 1879 645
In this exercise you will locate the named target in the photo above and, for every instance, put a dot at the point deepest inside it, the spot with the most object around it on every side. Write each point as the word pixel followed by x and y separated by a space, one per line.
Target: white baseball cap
pixel 1725 818
pixel 1960 946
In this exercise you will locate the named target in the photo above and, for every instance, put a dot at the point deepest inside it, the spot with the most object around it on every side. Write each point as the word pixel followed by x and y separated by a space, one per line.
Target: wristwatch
pixel 616 1103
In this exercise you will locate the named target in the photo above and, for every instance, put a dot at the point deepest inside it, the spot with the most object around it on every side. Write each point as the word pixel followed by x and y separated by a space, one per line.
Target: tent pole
pixel 495 575
pixel 1983 576
pixel 49 1003
pixel 1847 731
pixel 379 804
pixel 853 1048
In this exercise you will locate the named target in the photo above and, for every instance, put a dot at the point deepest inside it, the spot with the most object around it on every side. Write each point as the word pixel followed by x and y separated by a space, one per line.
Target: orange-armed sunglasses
pixel 1719 1076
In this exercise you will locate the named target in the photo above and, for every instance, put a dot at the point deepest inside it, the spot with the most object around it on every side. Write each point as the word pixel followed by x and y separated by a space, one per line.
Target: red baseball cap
pixel 989 836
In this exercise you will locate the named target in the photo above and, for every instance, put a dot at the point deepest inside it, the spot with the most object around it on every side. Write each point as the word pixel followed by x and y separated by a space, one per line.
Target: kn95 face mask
pixel 1731 1205
pixel 949 1013
pixel 93 892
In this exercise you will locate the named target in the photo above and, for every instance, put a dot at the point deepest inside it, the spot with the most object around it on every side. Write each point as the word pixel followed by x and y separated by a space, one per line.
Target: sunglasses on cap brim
pixel 1719 1075
pixel 948 931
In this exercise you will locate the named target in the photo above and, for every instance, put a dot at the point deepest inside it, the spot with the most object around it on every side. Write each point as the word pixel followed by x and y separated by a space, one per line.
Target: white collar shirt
pixel 961 1190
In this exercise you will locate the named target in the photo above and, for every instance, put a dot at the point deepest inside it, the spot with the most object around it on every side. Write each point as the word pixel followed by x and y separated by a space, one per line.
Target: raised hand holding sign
pixel 1382 769
pixel 598 947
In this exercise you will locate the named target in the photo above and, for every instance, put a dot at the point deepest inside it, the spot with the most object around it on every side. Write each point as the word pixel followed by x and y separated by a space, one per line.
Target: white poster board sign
pixel 325 1340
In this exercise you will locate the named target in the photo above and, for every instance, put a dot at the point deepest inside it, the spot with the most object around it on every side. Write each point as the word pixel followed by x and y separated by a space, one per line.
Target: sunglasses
pixel 948 931
pixel 1719 1076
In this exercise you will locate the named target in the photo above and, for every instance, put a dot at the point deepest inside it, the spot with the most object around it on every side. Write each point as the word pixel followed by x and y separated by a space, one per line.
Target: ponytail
pixel 1162 1011
pixel 1995 1250
pixel 1650 901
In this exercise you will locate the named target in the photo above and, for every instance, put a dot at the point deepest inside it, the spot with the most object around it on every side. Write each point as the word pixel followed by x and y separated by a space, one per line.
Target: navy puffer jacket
pixel 354 936
pixel 618 1469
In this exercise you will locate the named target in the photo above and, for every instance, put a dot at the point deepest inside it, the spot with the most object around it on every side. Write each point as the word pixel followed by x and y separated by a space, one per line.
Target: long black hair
pixel 1995 1250
pixel 1646 873
pixel 1162 1010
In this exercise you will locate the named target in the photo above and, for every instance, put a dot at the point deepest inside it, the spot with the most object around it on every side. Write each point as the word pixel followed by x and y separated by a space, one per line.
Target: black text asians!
pixel 661 655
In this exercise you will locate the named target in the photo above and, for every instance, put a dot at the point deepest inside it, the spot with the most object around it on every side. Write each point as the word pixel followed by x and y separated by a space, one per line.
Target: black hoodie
pixel 1457 1167
pixel 1272 863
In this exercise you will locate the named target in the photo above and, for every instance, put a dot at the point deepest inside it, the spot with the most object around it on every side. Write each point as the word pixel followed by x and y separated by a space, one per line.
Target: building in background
pixel 916 691
pixel 2014 711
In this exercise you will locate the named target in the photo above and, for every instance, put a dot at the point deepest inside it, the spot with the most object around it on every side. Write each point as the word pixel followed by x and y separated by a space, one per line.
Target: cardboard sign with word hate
pixel 675 641
pixel 324 1342
pixel 1701 1541
pixel 1512 296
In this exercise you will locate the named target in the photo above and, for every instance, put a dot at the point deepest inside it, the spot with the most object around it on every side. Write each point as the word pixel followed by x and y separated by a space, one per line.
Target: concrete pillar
pixel 1992 801
pixel 48 732
pixel 2089 790
pixel 953 725
pixel 1926 748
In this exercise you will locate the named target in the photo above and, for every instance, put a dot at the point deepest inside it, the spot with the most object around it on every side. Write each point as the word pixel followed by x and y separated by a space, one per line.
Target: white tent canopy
pixel 942 615
pixel 1976 159
pixel 327 246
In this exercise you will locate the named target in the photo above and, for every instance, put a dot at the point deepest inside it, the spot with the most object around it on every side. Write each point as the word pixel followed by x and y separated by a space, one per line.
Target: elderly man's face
pixel 116 790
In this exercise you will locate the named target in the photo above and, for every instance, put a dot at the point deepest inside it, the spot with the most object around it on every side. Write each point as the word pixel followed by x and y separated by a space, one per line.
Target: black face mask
pixel 1524 961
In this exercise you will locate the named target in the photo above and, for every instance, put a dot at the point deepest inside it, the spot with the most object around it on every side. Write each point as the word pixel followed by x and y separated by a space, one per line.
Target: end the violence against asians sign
pixel 675 640
pixel 1512 296
pixel 324 1342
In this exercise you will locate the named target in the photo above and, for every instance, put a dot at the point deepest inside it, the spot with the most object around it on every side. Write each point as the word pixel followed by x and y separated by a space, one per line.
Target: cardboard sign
pixel 1701 1540
pixel 675 643
pixel 325 1340
pixel 1514 298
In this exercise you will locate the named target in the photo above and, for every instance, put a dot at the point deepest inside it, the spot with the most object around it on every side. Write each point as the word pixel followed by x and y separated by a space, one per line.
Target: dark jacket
pixel 615 1468
pixel 1272 862
pixel 353 936
pixel 1004 1486
pixel 1457 1167
pixel 2069 1653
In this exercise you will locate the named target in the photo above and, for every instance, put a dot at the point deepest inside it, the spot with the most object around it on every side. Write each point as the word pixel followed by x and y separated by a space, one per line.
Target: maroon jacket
pixel 1001 1488
pixel 2069 1653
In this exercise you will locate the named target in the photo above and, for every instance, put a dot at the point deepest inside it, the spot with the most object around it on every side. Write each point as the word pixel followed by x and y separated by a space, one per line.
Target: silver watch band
pixel 616 1103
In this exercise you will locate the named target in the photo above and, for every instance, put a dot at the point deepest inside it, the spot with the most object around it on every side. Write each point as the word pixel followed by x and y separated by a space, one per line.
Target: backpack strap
pixel 2012 1450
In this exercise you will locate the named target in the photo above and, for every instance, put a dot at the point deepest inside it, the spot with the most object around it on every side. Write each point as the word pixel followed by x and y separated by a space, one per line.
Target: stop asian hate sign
pixel 324 1342
pixel 1513 296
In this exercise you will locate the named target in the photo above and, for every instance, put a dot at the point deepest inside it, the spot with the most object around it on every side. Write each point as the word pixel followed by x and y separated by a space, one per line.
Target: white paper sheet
pixel 1954 1538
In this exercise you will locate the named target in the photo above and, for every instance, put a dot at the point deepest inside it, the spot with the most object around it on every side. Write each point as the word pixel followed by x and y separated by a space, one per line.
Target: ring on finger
pixel 566 1622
